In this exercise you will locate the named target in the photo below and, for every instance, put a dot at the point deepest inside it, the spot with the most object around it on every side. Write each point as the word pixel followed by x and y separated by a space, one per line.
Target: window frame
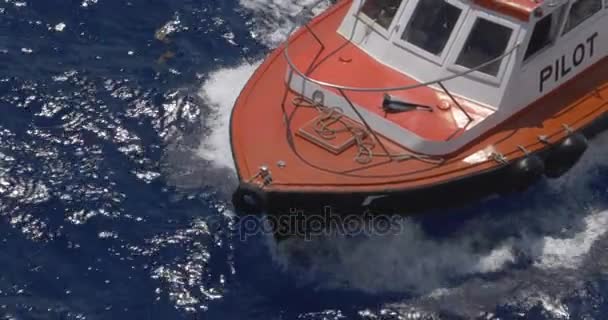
pixel 462 39
pixel 374 25
pixel 559 34
pixel 593 17
pixel 437 59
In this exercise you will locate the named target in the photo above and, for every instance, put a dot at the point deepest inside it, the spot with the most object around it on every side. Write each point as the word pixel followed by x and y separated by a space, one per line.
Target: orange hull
pixel 269 126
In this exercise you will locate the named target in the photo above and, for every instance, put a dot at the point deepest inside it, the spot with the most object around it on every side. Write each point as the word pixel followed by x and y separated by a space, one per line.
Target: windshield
pixel 545 32
pixel 581 11
pixel 487 41
pixel 381 11
pixel 431 25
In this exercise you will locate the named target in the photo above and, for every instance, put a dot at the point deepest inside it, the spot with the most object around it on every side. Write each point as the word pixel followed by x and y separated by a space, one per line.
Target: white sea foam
pixel 408 261
pixel 570 252
pixel 275 18
pixel 220 91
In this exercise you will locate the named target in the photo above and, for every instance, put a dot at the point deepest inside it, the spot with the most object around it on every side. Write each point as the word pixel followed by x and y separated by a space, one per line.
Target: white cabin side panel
pixel 572 54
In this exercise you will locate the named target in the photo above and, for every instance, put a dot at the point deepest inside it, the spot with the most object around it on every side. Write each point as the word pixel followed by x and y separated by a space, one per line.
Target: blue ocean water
pixel 115 175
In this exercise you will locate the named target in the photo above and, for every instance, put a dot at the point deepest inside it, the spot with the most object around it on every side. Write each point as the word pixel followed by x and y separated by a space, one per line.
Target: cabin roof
pixel 519 9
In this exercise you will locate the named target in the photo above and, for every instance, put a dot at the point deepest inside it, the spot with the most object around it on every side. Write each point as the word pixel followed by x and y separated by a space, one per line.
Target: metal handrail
pixel 384 89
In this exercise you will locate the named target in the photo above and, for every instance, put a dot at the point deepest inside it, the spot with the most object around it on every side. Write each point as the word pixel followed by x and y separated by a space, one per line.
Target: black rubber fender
pixel 249 199
pixel 525 172
pixel 565 155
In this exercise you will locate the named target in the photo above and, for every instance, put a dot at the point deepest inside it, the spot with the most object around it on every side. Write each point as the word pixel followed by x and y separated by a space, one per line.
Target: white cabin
pixel 432 39
pixel 537 46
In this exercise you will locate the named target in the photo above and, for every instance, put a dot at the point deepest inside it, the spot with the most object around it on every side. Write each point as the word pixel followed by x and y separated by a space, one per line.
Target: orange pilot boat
pixel 408 105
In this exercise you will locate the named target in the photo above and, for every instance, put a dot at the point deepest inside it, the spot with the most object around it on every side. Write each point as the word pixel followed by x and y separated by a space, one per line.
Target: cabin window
pixel 545 32
pixel 581 10
pixel 381 11
pixel 431 25
pixel 486 42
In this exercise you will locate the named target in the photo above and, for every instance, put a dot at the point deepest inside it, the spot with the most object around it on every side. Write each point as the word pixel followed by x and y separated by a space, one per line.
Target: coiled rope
pixel 364 140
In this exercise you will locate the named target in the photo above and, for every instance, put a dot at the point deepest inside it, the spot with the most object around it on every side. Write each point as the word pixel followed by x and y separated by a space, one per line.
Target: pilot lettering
pixel 566 63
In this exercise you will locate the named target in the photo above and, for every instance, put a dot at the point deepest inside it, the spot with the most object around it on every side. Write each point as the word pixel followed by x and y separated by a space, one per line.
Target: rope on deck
pixel 329 116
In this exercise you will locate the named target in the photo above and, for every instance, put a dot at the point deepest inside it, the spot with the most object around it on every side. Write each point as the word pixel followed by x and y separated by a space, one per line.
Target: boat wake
pixel 274 19
pixel 507 256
